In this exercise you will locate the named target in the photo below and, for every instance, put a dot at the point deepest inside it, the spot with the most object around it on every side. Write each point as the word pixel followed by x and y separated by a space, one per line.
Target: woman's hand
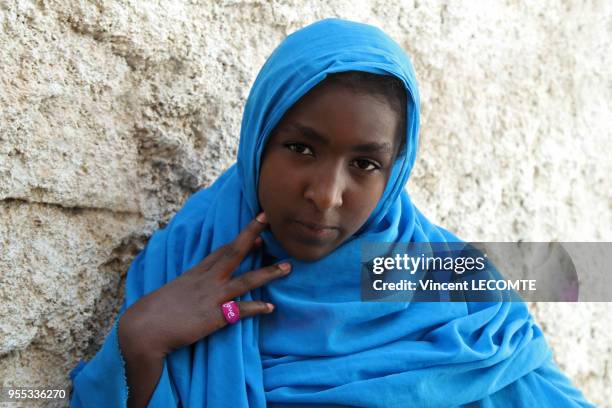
pixel 188 308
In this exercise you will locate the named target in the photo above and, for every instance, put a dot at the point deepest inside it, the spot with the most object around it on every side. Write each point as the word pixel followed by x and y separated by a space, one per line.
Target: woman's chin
pixel 306 253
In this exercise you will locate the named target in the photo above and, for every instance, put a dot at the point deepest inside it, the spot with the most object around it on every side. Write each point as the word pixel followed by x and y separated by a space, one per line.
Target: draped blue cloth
pixel 322 345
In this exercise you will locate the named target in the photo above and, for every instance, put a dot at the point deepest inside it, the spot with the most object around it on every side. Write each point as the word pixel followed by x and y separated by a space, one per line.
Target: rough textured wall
pixel 112 113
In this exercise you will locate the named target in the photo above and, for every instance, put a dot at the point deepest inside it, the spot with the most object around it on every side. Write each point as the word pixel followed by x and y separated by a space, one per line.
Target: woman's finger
pixel 234 252
pixel 254 279
pixel 245 309
pixel 252 308
pixel 230 251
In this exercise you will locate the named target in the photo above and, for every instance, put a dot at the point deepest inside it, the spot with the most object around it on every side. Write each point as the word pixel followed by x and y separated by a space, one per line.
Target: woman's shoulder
pixel 196 207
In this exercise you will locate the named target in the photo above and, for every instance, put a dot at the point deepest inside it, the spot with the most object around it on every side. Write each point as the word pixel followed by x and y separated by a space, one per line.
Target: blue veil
pixel 322 345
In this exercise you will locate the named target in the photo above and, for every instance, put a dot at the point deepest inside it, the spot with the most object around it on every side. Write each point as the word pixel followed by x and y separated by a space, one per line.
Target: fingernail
pixel 285 266
pixel 258 241
pixel 261 217
pixel 270 306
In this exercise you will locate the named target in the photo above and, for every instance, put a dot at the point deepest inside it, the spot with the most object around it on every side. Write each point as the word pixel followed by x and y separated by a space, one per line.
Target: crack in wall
pixel 69 208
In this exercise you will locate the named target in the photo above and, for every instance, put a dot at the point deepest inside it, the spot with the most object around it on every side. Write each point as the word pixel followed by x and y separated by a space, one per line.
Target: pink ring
pixel 230 311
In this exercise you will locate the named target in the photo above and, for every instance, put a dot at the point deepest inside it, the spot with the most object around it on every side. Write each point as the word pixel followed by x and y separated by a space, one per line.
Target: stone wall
pixel 112 113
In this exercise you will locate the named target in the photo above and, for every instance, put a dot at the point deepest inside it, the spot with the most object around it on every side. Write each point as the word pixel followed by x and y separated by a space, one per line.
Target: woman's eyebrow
pixel 310 133
pixel 372 147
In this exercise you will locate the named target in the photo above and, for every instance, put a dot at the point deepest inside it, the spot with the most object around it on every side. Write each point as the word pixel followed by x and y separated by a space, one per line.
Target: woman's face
pixel 324 168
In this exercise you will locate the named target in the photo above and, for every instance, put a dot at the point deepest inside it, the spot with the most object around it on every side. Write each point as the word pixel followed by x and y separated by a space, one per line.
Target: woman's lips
pixel 317 232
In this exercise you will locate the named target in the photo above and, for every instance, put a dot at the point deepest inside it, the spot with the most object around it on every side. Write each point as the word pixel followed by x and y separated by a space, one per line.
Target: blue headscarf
pixel 322 345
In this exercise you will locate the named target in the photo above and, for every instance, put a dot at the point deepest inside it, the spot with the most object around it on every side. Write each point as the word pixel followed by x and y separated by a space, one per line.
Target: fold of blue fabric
pixel 323 345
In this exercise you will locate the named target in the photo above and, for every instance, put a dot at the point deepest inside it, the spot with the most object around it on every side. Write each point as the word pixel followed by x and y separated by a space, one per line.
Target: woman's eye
pixel 300 149
pixel 367 165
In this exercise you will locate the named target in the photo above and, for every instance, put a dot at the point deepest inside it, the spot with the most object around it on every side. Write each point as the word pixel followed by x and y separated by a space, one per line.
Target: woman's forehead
pixel 336 107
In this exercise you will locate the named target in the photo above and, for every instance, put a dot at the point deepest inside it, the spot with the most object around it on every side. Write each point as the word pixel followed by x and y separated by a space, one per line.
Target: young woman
pixel 329 137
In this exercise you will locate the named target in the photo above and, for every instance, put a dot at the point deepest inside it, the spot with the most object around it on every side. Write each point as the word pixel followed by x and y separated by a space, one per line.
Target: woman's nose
pixel 325 189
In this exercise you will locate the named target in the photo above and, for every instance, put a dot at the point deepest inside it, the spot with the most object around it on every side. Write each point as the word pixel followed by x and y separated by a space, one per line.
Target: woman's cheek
pixel 368 198
pixel 292 177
